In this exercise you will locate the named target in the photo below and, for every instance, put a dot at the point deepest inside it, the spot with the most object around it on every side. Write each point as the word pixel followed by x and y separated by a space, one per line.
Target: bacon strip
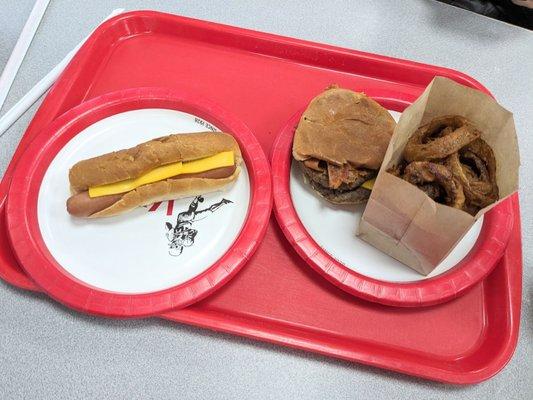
pixel 347 174
pixel 313 163
pixel 338 175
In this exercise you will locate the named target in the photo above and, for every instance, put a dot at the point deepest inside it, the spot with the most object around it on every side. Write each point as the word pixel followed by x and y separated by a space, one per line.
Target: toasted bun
pixel 166 190
pixel 341 126
pixel 134 162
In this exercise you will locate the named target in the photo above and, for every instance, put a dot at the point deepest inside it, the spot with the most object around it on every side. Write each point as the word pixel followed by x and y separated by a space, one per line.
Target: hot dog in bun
pixel 161 169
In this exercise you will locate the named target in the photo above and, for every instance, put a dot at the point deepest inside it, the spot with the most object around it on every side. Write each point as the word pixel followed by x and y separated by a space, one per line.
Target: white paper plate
pixel 334 227
pixel 131 253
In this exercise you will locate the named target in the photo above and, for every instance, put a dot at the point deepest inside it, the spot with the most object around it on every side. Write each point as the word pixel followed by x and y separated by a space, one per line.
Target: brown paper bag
pixel 403 221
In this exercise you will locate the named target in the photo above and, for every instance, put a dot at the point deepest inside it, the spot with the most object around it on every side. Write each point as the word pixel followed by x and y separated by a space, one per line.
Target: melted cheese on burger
pixel 369 184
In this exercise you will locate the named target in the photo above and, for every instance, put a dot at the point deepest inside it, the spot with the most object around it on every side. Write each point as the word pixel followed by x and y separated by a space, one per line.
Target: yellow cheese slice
pixel 223 159
pixel 369 184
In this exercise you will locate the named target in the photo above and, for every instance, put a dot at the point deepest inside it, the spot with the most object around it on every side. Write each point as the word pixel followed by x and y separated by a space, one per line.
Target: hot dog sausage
pixel 82 205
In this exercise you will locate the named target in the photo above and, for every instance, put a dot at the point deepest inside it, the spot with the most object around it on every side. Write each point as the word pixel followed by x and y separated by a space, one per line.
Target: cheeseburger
pixel 340 143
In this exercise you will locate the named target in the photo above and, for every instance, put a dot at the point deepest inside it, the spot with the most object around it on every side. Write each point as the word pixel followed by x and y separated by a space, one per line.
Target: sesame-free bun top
pixel 342 126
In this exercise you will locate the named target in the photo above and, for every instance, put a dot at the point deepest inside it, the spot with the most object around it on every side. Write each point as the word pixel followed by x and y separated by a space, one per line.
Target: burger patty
pixel 348 192
pixel 355 196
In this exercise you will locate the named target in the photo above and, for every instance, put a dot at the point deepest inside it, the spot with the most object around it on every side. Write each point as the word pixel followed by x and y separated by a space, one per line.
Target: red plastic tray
pixel 264 79
pixel 480 261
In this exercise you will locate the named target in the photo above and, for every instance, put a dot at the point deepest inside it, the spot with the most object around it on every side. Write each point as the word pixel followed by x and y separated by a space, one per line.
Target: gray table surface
pixel 50 352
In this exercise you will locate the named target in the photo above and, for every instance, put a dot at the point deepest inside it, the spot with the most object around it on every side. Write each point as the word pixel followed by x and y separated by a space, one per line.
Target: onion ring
pixel 478 178
pixel 397 170
pixel 440 138
pixel 420 173
pixel 433 190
